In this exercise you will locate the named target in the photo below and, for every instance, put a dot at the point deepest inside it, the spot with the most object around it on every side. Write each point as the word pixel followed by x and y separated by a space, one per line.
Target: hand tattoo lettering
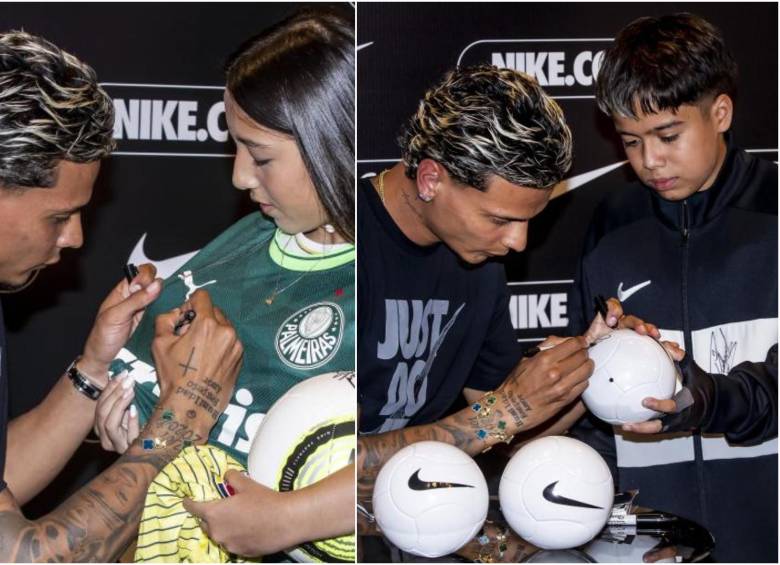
pixel 516 406
pixel 201 396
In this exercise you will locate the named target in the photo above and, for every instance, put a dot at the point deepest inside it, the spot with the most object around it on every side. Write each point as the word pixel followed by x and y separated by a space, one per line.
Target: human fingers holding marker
pixel 541 385
pixel 117 318
pixel 197 364
pixel 610 316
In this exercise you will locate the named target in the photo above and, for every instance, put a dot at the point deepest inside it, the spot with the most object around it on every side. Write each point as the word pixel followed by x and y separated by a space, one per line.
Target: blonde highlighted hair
pixel 51 109
pixel 482 121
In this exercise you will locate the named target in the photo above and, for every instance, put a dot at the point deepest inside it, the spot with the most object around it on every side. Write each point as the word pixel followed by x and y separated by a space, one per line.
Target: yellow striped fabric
pixel 170 534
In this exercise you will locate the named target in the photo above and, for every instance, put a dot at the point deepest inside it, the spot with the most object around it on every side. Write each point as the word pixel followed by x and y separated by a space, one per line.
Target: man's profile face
pixel 478 225
pixel 37 223
pixel 676 153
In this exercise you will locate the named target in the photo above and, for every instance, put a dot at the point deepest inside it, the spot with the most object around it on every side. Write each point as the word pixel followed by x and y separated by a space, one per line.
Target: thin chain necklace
pixel 381 186
pixel 277 291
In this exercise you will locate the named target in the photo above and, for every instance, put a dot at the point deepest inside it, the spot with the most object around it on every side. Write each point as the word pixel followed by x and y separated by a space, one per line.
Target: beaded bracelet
pixel 482 409
pixel 486 552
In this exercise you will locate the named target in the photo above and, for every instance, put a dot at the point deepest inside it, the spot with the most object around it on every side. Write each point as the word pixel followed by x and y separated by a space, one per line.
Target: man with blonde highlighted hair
pixel 55 127
pixel 480 158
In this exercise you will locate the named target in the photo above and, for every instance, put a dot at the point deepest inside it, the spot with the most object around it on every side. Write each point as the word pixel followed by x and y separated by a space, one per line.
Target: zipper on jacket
pixel 688 340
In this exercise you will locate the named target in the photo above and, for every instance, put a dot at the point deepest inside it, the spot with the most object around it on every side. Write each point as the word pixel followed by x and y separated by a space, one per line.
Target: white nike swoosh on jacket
pixel 624 295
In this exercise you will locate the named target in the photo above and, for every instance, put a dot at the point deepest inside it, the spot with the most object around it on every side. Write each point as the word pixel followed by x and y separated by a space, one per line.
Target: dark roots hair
pixel 482 121
pixel 51 109
pixel 662 63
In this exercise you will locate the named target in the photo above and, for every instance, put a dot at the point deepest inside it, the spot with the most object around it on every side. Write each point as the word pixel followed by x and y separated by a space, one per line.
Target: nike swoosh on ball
pixel 416 484
pixel 549 495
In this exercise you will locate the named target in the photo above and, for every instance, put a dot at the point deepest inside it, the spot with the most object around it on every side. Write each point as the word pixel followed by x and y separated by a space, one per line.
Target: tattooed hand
pixel 197 372
pixel 542 385
pixel 198 368
pixel 536 390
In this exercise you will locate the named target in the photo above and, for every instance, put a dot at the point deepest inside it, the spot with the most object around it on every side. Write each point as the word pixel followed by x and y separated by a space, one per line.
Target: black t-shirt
pixel 3 401
pixel 429 325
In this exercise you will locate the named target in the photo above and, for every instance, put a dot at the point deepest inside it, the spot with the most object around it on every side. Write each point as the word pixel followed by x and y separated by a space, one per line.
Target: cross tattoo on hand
pixel 187 366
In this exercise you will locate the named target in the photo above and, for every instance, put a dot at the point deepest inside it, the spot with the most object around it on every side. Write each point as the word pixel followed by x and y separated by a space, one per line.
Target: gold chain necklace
pixel 276 292
pixel 381 186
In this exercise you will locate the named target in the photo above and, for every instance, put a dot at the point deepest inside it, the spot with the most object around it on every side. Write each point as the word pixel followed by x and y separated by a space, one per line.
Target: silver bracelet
pixel 81 382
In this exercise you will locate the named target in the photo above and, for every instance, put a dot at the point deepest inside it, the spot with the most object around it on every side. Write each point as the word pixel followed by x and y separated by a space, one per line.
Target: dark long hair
pixel 298 78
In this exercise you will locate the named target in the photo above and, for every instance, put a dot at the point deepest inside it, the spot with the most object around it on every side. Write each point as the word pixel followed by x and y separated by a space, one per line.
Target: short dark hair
pixel 662 63
pixel 482 121
pixel 51 109
pixel 298 78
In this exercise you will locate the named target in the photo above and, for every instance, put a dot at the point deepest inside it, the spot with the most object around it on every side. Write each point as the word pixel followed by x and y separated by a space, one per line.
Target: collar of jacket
pixel 706 205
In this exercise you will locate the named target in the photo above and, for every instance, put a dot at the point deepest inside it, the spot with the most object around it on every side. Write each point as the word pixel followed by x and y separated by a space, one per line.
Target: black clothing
pixel 704 270
pixel 429 325
pixel 3 401
pixel 742 405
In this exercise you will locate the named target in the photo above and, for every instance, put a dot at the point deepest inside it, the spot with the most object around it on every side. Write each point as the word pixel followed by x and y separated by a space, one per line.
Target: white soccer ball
pixel 556 492
pixel 628 368
pixel 430 499
pixel 308 434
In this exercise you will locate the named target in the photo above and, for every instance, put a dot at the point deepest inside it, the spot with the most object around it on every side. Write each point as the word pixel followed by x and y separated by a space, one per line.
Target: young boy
pixel 692 246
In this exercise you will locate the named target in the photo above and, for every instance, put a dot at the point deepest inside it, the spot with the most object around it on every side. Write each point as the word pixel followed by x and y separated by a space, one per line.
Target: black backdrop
pixel 170 178
pixel 405 48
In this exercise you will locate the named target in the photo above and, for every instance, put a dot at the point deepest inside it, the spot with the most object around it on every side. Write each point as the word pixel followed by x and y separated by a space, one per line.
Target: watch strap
pixel 81 382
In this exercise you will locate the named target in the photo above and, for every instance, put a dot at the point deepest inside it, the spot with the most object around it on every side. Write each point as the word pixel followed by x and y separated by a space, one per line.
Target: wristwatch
pixel 82 382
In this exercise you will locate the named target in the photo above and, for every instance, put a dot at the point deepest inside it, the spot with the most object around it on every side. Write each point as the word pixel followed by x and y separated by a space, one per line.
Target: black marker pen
pixel 131 271
pixel 536 349
pixel 600 304
pixel 185 319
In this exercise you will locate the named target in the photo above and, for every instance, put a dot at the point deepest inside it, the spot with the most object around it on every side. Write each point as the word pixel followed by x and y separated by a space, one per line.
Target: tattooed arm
pixel 97 522
pixel 535 390
pixel 197 372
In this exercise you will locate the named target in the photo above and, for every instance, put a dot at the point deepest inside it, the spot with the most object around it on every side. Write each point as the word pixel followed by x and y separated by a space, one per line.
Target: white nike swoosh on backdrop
pixel 624 295
pixel 571 183
pixel 559 189
pixel 359 47
pixel 165 267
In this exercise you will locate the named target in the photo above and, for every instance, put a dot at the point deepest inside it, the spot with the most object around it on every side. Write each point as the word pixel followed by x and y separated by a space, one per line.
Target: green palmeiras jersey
pixel 293 311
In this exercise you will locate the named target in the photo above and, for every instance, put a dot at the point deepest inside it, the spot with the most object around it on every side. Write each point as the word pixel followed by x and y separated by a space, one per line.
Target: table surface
pixel 676 541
